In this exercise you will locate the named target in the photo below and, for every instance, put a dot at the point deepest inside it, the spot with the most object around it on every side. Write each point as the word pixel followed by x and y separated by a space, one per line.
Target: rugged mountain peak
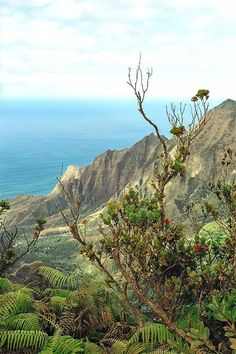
pixel 228 104
pixel 220 130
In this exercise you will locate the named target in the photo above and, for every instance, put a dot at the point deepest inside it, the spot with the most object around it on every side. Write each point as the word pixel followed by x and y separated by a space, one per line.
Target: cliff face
pixel 94 185
pixel 110 173
pixel 206 154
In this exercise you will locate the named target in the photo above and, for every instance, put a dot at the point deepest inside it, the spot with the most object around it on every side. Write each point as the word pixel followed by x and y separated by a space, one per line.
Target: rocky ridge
pixel 111 172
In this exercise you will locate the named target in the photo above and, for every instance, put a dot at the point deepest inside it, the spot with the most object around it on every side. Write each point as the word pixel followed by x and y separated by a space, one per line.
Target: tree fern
pixel 19 340
pixel 59 279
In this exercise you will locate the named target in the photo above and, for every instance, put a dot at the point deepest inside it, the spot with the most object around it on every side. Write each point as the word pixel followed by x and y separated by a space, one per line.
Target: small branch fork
pixel 140 88
pixel 8 241
pixel 139 81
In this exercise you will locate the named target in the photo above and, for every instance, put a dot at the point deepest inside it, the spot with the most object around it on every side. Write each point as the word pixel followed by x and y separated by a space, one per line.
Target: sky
pixel 83 48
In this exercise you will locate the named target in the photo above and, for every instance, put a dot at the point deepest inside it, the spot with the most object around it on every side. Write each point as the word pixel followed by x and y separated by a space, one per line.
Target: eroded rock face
pixel 94 185
pixel 110 173
pixel 206 154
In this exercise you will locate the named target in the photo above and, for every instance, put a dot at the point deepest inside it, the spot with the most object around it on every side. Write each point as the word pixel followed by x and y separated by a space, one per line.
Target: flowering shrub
pixel 172 268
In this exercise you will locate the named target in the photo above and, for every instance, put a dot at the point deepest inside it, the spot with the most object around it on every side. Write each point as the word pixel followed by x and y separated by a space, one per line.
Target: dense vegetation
pixel 164 285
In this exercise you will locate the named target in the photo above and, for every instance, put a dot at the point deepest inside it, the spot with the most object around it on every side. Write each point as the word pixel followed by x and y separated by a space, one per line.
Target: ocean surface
pixel 39 138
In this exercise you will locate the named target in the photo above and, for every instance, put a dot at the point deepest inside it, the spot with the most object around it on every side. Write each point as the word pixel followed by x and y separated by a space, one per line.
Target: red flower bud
pixel 166 221
pixel 198 248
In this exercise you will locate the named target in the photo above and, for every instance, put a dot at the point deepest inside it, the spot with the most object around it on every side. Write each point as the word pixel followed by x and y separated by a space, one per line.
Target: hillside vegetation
pixel 159 260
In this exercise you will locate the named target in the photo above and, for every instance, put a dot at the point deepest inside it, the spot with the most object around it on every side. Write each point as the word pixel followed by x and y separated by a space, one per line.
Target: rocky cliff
pixel 206 154
pixel 110 173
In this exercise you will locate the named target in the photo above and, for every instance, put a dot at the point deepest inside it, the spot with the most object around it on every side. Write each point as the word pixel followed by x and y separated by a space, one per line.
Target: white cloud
pixel 67 10
pixel 102 10
pixel 201 4
pixel 25 3
pixel 61 47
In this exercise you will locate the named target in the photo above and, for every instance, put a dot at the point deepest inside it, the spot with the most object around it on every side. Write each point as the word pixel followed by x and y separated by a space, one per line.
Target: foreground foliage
pixel 59 320
pixel 168 285
pixel 174 271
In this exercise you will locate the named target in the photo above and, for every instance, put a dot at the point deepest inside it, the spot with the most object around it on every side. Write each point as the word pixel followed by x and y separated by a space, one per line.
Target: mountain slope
pixel 206 154
pixel 110 173
pixel 93 185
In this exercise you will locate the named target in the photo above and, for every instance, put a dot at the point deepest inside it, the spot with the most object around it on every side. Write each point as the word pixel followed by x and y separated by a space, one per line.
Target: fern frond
pixel 63 345
pixel 59 279
pixel 57 292
pixel 86 292
pixel 164 349
pixel 106 316
pixel 40 307
pixel 58 303
pixel 21 339
pixel 136 348
pixel 161 351
pixel 92 348
pixel 152 333
pixel 25 321
pixel 67 344
pixel 123 347
pixel 5 285
pixel 119 347
pixel 50 320
pixel 13 303
pixel 24 289
pixel 49 348
pixel 67 322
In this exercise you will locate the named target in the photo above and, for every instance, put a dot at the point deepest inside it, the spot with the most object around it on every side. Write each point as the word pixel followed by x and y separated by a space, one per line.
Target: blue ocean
pixel 40 137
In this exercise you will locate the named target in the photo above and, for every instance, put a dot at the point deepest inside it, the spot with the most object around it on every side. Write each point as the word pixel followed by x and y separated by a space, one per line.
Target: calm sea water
pixel 38 136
